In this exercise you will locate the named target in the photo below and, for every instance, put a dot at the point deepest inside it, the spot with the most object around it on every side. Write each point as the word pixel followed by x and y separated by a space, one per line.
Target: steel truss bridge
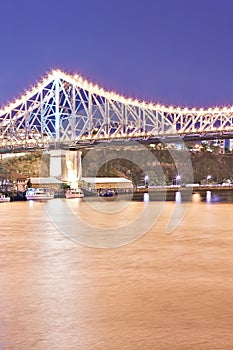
pixel 68 110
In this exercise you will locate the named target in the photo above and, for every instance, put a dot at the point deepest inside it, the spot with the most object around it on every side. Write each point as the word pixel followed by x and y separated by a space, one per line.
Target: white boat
pixel 3 199
pixel 74 193
pixel 39 194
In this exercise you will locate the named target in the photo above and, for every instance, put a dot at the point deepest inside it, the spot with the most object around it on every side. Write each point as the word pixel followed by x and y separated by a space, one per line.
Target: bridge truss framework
pixel 69 110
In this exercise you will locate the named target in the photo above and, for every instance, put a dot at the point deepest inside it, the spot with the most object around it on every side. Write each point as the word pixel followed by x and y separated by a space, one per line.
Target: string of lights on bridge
pixel 78 80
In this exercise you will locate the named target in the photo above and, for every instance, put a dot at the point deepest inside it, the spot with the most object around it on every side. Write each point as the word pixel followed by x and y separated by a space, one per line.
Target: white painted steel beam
pixel 68 109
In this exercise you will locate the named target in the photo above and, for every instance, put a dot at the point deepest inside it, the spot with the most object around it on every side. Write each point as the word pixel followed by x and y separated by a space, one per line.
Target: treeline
pixel 159 166
pixel 162 166
pixel 32 164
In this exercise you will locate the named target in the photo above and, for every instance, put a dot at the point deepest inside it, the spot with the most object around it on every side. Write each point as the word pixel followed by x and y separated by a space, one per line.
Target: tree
pixel 29 184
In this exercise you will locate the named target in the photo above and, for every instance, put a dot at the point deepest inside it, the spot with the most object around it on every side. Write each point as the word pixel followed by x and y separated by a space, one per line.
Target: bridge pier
pixel 66 166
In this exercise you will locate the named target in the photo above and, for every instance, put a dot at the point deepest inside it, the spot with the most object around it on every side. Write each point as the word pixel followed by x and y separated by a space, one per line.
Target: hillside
pixel 162 170
pixel 30 165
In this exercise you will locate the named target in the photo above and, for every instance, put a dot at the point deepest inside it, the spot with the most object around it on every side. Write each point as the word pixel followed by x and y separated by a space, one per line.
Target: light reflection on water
pixel 160 292
pixel 205 196
pixel 146 197
pixel 178 197
pixel 208 196
pixel 196 197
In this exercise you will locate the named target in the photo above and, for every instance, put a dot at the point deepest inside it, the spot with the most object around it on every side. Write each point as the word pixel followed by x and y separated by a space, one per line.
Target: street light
pixel 146 178
pixel 178 177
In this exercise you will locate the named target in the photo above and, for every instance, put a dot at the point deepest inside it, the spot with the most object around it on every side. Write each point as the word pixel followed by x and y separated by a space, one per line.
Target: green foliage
pixel 28 165
pixel 29 184
pixel 65 186
pixel 219 166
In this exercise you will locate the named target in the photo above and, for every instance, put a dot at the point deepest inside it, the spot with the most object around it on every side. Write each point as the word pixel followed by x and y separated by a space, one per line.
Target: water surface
pixel 160 292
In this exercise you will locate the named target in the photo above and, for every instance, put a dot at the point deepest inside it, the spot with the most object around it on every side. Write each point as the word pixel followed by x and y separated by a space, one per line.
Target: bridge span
pixel 72 112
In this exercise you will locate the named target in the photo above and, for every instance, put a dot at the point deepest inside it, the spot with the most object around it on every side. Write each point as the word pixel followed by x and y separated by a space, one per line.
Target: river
pixel 160 291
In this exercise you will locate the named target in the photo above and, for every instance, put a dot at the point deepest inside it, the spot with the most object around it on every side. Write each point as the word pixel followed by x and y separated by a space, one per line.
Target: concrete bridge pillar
pixel 66 166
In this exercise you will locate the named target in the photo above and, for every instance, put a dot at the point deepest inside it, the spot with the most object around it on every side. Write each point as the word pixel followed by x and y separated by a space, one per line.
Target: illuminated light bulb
pixel 116 97
pixel 55 73
pixel 106 94
pixel 224 109
pixel 112 94
pixel 85 84
pixel 143 104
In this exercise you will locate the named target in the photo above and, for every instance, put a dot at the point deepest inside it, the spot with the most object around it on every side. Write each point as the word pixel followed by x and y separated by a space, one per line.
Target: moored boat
pixel 39 194
pixel 74 193
pixel 4 199
pixel 108 193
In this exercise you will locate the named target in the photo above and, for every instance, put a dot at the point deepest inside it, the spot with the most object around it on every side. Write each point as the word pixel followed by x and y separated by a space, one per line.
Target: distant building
pixel 12 180
pixel 47 182
pixel 102 183
pixel 217 146
pixel 221 146
pixel 230 144
pixel 6 185
pixel 19 180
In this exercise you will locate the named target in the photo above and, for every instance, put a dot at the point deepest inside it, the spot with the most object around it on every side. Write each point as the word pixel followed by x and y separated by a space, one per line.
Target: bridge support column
pixel 66 166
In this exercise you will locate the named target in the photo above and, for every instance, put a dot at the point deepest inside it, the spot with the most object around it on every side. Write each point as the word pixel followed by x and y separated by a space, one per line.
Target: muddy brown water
pixel 162 291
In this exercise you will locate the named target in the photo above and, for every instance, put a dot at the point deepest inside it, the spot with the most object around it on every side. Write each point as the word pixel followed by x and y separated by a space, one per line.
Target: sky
pixel 174 52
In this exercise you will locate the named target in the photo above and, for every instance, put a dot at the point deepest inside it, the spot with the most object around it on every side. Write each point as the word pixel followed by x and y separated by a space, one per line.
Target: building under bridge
pixel 103 183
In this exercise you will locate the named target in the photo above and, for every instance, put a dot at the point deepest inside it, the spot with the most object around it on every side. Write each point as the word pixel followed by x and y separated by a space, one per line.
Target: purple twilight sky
pixel 169 51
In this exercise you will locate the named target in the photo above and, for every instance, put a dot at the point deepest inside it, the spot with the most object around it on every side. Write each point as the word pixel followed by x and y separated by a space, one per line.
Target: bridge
pixel 68 110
